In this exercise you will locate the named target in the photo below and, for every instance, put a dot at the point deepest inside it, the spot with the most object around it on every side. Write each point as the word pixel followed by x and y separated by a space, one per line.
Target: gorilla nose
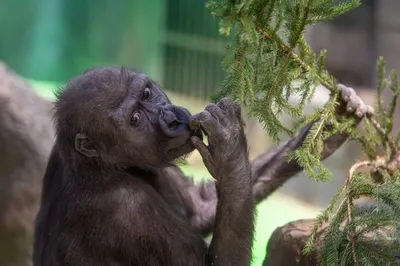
pixel 169 116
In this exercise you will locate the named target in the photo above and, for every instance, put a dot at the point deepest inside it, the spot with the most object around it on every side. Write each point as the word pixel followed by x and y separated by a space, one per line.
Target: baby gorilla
pixel 106 195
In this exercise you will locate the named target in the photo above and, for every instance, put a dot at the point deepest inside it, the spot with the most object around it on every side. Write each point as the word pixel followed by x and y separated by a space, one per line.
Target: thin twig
pixel 350 203
pixel 355 167
pixel 393 165
pixel 386 136
pixel 285 49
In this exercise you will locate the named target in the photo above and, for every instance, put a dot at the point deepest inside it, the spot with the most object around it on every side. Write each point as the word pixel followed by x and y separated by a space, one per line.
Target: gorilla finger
pixel 204 153
pixel 205 121
pixel 346 92
pixel 215 111
pixel 201 147
pixel 232 109
pixel 362 110
pixel 225 104
pixel 353 103
pixel 371 110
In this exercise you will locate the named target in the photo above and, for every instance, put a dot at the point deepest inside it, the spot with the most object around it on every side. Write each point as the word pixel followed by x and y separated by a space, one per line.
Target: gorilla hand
pixel 227 149
pixel 352 103
pixel 226 158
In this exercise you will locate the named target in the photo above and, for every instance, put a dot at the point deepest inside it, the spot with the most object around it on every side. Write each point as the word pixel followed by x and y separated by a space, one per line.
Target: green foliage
pixel 367 236
pixel 268 53
pixel 267 62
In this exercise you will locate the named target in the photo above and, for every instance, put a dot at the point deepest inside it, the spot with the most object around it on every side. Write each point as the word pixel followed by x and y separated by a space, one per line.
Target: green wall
pixel 56 39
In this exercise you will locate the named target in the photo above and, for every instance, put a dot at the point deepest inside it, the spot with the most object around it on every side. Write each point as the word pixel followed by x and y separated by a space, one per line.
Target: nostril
pixel 170 119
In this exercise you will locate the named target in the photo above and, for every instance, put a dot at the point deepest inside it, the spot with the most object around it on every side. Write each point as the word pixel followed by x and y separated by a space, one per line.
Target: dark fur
pixel 111 195
pixel 143 210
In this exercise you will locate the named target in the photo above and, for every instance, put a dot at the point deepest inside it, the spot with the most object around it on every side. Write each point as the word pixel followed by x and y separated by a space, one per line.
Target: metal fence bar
pixel 193 48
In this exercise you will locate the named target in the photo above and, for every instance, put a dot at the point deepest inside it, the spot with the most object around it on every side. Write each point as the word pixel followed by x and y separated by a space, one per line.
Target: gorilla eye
pixel 135 118
pixel 146 94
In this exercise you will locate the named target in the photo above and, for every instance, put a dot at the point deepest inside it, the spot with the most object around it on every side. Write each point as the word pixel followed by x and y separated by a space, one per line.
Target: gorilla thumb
pixel 205 154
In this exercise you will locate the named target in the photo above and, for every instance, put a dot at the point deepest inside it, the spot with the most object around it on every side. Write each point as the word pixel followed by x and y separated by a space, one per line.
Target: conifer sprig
pixel 368 236
pixel 267 62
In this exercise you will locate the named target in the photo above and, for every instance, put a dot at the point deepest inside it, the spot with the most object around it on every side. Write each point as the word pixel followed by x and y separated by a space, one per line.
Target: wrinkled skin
pixel 113 196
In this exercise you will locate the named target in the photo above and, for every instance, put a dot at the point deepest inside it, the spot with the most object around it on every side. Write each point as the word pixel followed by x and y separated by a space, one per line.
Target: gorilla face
pixel 123 118
pixel 158 126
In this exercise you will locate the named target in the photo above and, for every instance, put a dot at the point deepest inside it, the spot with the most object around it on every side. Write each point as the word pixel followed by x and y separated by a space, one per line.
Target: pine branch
pixel 259 25
pixel 384 134
pixel 268 54
pixel 349 208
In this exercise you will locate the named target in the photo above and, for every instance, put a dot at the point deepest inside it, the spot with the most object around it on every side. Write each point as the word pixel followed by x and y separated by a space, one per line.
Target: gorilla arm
pixel 270 170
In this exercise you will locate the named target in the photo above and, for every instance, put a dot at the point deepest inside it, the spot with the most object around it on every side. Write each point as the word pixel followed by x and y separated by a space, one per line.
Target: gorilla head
pixel 120 118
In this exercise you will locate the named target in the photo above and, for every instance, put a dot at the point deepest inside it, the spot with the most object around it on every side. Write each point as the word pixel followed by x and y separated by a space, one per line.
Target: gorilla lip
pixel 194 133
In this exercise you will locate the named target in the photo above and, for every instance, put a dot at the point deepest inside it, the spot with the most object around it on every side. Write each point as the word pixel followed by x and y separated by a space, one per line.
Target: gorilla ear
pixel 85 145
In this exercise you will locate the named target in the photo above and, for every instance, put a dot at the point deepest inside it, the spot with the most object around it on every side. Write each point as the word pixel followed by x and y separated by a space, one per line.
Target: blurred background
pixel 176 42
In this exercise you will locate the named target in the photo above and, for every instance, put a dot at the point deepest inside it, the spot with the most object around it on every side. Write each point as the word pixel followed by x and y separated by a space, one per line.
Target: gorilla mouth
pixel 187 147
pixel 175 126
